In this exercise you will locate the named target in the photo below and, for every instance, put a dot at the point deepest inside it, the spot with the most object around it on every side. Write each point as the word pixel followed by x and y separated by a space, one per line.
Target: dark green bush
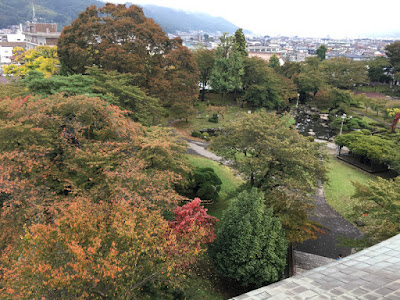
pixel 205 135
pixel 204 183
pixel 251 246
pixel 196 133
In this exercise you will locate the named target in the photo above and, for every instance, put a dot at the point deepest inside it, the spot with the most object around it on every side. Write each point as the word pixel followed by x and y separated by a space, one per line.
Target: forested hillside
pixel 172 20
pixel 58 11
pixel 63 12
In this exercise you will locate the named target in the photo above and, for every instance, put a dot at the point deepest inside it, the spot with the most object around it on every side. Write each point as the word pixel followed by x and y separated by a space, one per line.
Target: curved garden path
pixel 327 244
pixel 336 226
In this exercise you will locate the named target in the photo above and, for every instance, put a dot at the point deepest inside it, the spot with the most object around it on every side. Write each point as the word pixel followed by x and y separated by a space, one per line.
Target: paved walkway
pixel 200 148
pixel 327 244
pixel 373 273
pixel 336 226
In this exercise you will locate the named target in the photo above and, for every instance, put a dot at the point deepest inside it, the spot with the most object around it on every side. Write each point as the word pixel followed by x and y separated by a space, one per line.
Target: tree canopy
pixel 205 62
pixel 114 87
pixel 117 38
pixel 279 161
pixel 43 59
pixel 374 147
pixel 379 207
pixel 251 246
pixel 321 52
pixel 261 85
pixel 343 73
pixel 83 202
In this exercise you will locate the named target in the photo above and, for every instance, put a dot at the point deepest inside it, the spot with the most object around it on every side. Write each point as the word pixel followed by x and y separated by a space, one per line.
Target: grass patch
pixel 339 189
pixel 230 182
pixel 368 120
pixel 200 121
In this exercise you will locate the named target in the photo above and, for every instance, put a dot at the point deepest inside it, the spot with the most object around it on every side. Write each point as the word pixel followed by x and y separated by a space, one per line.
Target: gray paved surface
pixel 327 244
pixel 307 261
pixel 373 273
pixel 200 148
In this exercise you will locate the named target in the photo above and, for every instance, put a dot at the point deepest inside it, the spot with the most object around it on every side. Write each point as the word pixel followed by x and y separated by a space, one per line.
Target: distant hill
pixel 62 12
pixel 172 20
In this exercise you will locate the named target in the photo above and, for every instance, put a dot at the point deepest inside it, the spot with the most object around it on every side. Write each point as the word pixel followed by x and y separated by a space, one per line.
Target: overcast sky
pixel 336 18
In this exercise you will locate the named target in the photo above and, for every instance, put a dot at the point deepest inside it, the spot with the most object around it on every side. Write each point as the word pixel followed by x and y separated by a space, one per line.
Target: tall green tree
pixel 393 52
pixel 251 245
pixel 321 52
pixel 274 62
pixel 280 162
pixel 205 62
pixel 343 73
pixel 227 74
pixel 239 42
pixel 260 84
pixel 378 69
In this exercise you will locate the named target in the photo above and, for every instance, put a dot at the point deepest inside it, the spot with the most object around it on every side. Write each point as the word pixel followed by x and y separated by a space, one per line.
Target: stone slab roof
pixel 373 273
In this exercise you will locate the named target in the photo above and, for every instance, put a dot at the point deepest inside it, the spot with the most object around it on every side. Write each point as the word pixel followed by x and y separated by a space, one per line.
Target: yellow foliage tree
pixel 43 59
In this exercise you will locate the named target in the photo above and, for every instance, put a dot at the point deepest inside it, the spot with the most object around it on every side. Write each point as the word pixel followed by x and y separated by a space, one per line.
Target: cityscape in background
pixel 294 49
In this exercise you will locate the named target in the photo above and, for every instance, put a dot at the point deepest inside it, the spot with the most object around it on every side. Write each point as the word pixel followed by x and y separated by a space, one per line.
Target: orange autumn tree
pixel 123 39
pixel 82 208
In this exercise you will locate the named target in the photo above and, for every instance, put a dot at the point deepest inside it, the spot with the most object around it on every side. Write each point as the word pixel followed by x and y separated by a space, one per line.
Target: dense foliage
pixel 204 183
pixel 122 39
pixel 278 160
pixel 43 59
pixel 83 202
pixel 377 148
pixel 380 208
pixel 251 245
pixel 114 87
pixel 58 11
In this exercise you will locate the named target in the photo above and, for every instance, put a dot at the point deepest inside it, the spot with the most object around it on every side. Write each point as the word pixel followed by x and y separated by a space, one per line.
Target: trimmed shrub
pixel 366 131
pixel 204 183
pixel 205 136
pixel 196 134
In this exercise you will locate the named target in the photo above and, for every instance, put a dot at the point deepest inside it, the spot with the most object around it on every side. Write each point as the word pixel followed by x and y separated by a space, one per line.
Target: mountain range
pixel 63 12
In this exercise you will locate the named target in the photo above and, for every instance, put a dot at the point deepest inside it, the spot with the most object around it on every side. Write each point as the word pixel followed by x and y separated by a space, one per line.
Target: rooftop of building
pixel 373 273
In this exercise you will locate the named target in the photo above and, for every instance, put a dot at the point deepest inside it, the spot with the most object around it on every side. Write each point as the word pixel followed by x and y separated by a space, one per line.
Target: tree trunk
pixel 203 92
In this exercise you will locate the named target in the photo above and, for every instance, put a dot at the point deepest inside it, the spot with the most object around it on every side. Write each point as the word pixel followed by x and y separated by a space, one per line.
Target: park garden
pixel 101 200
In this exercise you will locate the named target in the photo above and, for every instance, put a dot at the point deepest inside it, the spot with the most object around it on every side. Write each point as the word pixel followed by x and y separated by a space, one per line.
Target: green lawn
pixel 385 89
pixel 339 189
pixel 229 182
pixel 201 119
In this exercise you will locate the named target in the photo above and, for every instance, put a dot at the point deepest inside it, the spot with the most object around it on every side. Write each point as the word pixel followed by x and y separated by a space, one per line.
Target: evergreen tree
pixel 239 42
pixel 251 245
pixel 321 52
